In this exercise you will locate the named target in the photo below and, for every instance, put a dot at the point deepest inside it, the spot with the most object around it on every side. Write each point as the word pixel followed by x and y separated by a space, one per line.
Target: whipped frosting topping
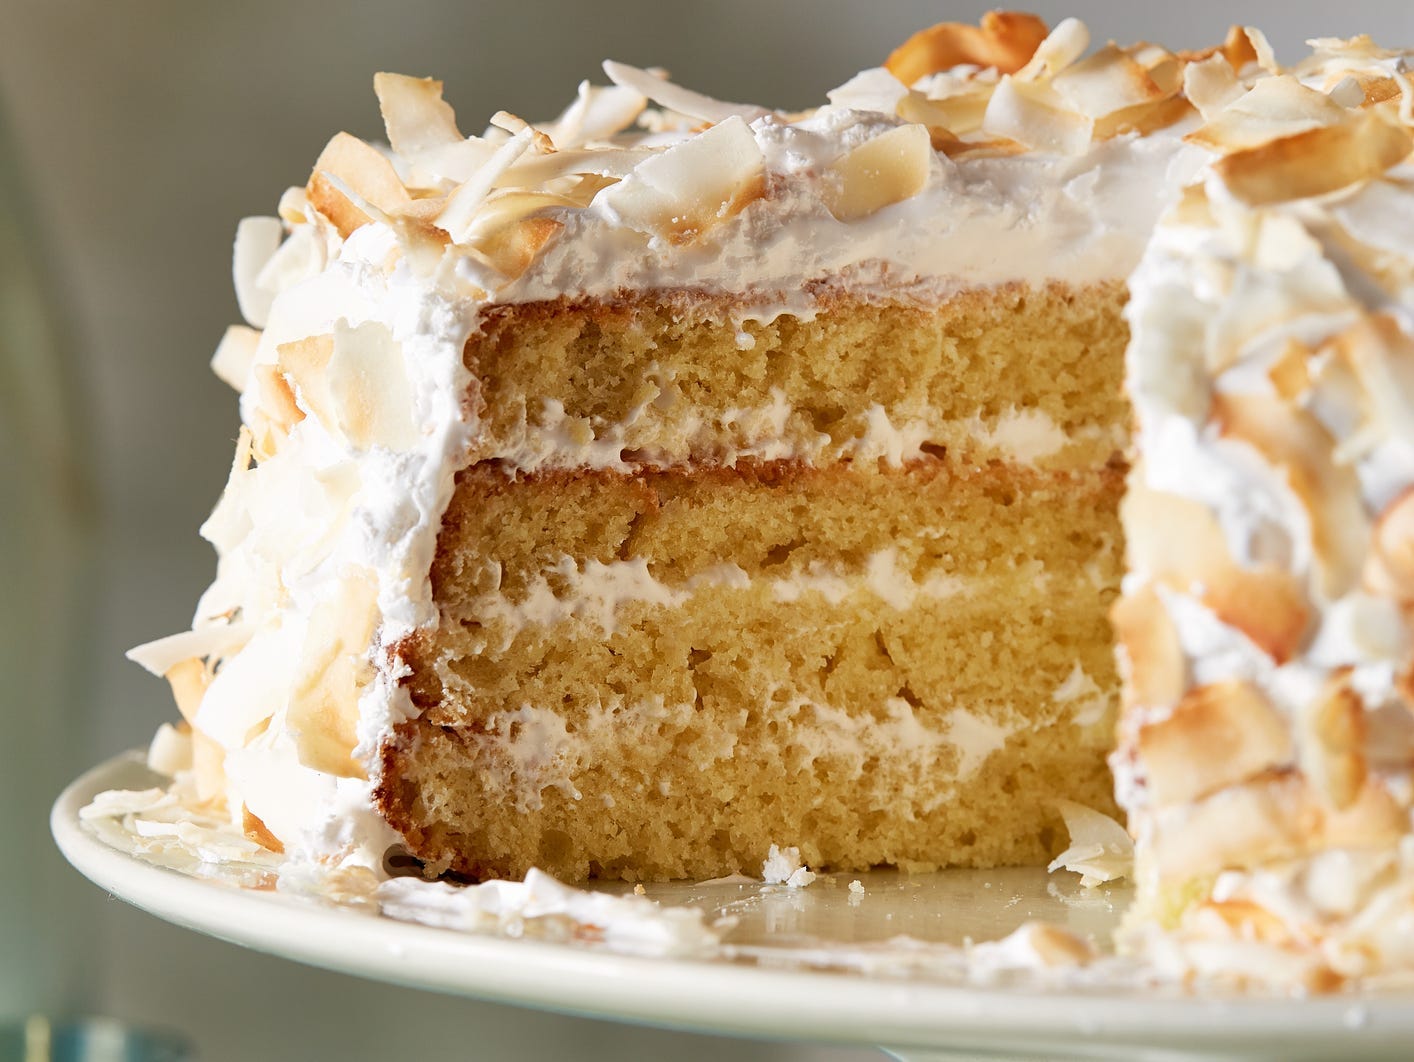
pixel 1266 756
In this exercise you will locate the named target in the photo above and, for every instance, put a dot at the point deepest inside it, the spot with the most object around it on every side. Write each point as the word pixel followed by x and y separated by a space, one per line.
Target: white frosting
pixel 556 440
pixel 595 591
pixel 525 751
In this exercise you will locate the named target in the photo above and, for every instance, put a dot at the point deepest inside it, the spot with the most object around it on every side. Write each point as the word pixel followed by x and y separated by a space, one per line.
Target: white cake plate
pixel 765 991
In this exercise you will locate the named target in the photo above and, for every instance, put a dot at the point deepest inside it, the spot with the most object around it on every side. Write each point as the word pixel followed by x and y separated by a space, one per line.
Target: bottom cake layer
pixel 660 675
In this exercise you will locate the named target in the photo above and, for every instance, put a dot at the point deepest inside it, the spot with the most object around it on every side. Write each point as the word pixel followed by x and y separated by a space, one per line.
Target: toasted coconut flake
pixel 1273 108
pixel 257 240
pixel 1155 670
pixel 582 190
pixel 1143 119
pixel 1245 920
pixel 1211 85
pixel 1361 46
pixel 1062 47
pixel 1380 355
pixel 258 832
pixel 160 656
pixel 1262 50
pixel 597 113
pixel 170 750
pixel 208 766
pixel 275 399
pixel 457 162
pixel 1100 849
pixel 1378 89
pixel 512 123
pixel 1316 162
pixel 1028 114
pixel 948 118
pixel 675 98
pixel 686 189
pixel 1268 606
pixel 1005 40
pixel 509 206
pixel 1170 537
pixel 294 208
pixel 1178 542
pixel 368 385
pixel 304 363
pixel 538 170
pixel 1237 48
pixel 1290 374
pixel 1059 50
pixel 362 169
pixel 415 116
pixel 1333 740
pixel 1390 569
pixel 992 148
pixel 1294 442
pixel 462 205
pixel 1056 947
pixel 871 90
pixel 1375 819
pixel 234 356
pixel 1108 81
pixel 512 248
pixel 301 256
pixel 1194 209
pixel 883 170
pixel 1180 752
pixel 188 680
pixel 332 670
pixel 1165 69
pixel 1259 821
pixel 247 690
pixel 1346 93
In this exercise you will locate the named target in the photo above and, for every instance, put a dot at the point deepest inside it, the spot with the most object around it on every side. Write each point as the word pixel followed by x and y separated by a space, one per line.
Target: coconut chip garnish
pixel 1100 849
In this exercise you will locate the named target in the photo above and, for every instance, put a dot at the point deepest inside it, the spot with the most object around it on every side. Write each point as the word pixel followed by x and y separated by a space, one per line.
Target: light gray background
pixel 147 128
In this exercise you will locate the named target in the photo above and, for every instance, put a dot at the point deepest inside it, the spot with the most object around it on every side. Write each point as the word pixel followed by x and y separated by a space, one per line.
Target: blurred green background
pixel 138 134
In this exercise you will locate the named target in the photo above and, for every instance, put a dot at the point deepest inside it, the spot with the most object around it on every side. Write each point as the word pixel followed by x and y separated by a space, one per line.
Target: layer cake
pixel 621 495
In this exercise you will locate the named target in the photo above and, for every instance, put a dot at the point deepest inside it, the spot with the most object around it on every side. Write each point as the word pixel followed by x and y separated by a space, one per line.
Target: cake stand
pixel 826 963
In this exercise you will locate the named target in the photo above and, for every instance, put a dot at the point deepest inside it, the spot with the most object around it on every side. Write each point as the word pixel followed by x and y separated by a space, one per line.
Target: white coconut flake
pixel 674 98
pixel 1100 849
pixel 257 240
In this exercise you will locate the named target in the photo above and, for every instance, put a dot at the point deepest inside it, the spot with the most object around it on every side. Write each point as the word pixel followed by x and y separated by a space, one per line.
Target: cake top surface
pixel 1021 170
pixel 1003 137
pixel 976 156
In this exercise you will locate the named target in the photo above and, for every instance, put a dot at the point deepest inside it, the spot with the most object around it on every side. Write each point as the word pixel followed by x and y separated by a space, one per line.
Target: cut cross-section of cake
pixel 624 494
